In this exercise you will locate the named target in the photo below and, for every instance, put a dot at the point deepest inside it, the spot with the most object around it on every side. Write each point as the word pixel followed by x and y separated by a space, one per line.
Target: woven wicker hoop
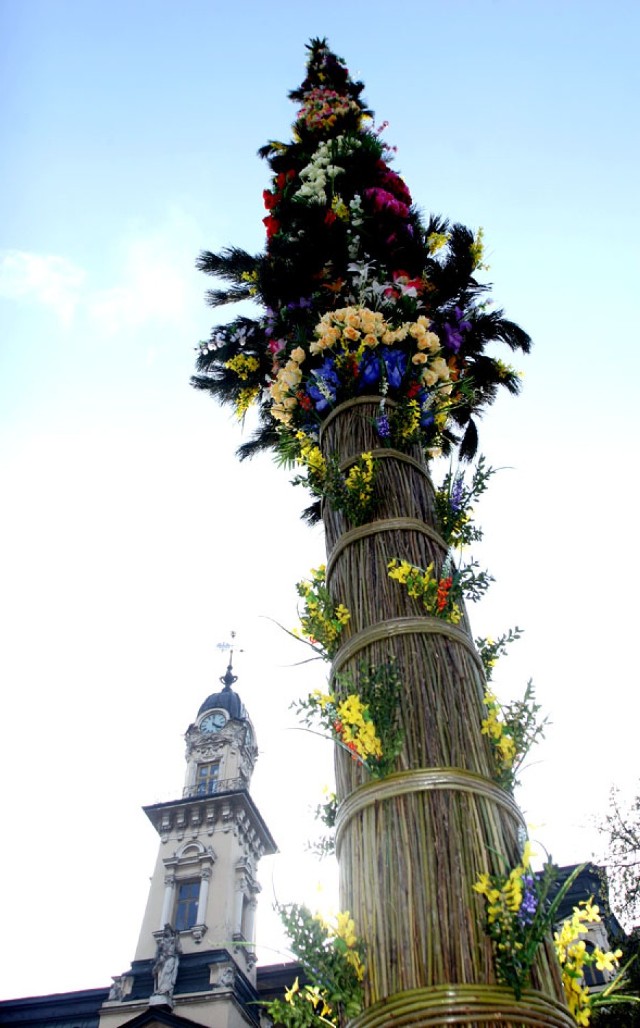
pixel 465 1004
pixel 375 528
pixel 356 401
pixel 390 454
pixel 403 626
pixel 424 780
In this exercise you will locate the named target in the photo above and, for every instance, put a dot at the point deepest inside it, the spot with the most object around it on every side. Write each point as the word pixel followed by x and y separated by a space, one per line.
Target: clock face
pixel 213 722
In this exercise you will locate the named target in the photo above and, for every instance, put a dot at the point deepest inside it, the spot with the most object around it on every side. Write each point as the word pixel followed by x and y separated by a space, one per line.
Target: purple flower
pixel 529 903
pixel 383 427
pixel 299 304
pixel 453 330
pixel 455 498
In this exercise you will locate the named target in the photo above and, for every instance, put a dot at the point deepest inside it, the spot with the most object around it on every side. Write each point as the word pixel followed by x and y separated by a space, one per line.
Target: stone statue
pixel 165 968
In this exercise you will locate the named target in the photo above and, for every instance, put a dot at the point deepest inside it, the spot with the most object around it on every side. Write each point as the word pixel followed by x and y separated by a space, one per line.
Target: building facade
pixel 195 961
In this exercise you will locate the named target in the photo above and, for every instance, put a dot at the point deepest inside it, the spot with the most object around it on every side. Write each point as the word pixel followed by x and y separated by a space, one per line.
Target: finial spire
pixel 228 679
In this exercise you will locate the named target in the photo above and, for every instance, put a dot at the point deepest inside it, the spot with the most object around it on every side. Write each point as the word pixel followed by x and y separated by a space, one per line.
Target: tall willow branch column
pixel 410 846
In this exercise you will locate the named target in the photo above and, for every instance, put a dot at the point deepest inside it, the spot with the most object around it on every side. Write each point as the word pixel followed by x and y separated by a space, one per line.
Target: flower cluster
pixel 493 726
pixel 438 596
pixel 520 913
pixel 363 718
pixel 350 492
pixel 319 175
pixel 331 956
pixel 323 107
pixel 454 501
pixel 334 199
pixel 353 493
pixel 513 728
pixel 511 906
pixel 322 621
pixel 361 352
pixel 574 957
pixel 348 721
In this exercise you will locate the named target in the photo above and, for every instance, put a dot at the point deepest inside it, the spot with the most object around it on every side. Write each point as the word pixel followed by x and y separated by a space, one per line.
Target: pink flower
pixel 385 201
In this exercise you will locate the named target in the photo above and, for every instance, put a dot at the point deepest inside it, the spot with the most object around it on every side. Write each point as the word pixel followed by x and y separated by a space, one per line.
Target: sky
pixel 131 539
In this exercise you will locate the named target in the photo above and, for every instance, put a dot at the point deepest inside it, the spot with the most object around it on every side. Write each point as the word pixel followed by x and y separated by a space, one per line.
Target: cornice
pixel 232 810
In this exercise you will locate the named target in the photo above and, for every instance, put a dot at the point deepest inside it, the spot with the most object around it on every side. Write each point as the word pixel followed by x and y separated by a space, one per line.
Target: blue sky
pixel 131 541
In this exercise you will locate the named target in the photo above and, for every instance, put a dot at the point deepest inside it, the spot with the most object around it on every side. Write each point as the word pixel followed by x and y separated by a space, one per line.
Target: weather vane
pixel 228 678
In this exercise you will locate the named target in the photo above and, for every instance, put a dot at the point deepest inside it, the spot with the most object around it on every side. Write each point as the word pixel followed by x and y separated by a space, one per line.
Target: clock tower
pixel 195 957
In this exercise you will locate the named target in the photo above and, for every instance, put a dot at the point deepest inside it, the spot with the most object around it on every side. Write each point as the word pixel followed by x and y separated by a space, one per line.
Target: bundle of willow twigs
pixel 411 846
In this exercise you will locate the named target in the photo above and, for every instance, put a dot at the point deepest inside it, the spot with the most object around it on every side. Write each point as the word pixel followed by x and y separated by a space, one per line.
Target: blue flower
pixel 396 365
pixel 426 412
pixel 369 369
pixel 324 392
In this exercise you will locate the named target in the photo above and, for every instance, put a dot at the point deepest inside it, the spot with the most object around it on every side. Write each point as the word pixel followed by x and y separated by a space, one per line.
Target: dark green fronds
pixel 344 237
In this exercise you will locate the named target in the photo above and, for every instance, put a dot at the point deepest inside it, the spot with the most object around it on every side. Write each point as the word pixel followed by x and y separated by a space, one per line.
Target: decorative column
pixel 203 894
pixel 167 902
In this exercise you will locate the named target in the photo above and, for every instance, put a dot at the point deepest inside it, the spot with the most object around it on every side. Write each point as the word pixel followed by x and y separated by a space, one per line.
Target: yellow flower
pixel 342 614
pixel 606 961
pixel 290 993
pixel 242 365
pixel 345 928
pixel 436 241
pixel 244 400
pixel 351 710
pixel 323 699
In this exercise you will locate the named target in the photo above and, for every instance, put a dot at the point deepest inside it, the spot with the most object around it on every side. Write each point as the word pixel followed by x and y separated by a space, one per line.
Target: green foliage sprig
pixel 380 686
pixel 321 620
pixel 513 728
pixel 362 715
pixel 326 812
pixel 519 914
pixel 490 650
pixel 350 491
pixel 332 958
pixel 454 504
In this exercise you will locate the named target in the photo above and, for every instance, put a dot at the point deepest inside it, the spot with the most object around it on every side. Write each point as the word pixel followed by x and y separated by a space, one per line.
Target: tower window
pixel 207 779
pixel 186 905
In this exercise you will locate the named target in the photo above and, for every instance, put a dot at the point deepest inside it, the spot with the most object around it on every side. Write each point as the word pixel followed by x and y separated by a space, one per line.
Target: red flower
pixel 444 586
pixel 413 390
pixel 270 199
pixel 272 225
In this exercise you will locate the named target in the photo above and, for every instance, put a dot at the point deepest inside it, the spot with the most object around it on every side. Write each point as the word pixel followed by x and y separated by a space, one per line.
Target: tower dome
pixel 226 699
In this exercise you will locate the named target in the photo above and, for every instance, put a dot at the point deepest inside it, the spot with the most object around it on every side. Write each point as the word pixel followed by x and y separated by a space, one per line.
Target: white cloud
pixel 44 278
pixel 155 281
pixel 154 286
